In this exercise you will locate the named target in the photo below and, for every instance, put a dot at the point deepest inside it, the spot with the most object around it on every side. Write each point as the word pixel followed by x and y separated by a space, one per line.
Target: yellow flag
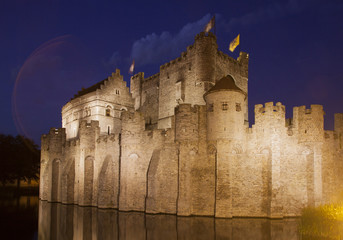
pixel 234 44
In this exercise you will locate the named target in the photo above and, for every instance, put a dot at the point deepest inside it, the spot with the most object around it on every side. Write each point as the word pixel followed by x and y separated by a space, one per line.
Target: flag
pixel 132 67
pixel 209 25
pixel 234 43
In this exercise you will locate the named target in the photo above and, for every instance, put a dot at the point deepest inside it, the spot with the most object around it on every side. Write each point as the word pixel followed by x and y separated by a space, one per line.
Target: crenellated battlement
pixel 85 125
pixel 57 131
pixel 268 112
pixel 222 55
pixel 174 61
pixel 152 77
pixel 303 115
pixel 205 42
pixel 139 76
pixel 313 110
pixel 329 134
pixel 203 35
pixel 243 58
pixel 269 108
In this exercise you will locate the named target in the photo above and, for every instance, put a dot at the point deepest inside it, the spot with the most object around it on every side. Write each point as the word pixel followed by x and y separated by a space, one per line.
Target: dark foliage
pixel 19 159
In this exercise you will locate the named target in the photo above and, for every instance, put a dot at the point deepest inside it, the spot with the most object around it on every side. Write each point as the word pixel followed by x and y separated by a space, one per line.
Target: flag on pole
pixel 209 25
pixel 132 67
pixel 234 43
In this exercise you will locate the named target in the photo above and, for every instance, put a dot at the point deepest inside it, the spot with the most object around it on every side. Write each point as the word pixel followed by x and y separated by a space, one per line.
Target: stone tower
pixel 225 110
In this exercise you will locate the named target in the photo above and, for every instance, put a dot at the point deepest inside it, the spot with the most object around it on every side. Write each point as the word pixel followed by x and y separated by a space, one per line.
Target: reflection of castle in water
pixel 59 221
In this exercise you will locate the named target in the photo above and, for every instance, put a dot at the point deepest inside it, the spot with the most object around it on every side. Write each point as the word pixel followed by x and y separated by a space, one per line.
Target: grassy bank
pixel 323 222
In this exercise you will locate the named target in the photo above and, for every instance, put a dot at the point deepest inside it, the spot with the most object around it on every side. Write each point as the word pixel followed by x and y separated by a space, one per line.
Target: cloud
pixel 114 59
pixel 272 11
pixel 156 49
pixel 160 48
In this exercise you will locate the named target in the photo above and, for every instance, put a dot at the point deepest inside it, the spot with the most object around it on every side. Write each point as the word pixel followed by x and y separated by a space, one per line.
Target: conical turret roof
pixel 226 83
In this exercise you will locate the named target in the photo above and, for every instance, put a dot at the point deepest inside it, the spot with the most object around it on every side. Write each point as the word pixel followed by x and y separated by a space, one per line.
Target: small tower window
pixel 108 112
pixel 117 91
pixel 108 130
pixel 224 106
pixel 210 107
pixel 238 107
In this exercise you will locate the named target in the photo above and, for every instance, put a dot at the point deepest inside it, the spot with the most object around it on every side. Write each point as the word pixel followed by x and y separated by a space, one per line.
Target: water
pixel 28 218
pixel 19 217
pixel 59 221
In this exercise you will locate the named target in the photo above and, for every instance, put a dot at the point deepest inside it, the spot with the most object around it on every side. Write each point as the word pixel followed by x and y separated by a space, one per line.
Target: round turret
pixel 225 110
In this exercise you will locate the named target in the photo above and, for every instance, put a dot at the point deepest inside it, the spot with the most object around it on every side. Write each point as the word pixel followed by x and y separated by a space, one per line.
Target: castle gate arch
pixel 55 180
pixel 265 158
pixel 308 157
pixel 212 157
pixel 44 180
pixel 152 192
pixel 70 181
pixel 106 184
pixel 88 180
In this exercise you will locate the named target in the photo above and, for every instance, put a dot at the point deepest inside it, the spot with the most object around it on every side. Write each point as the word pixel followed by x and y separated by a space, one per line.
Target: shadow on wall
pixel 59 221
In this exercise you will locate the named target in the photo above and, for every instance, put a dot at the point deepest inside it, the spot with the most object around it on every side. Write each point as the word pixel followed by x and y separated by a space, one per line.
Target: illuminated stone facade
pixel 179 142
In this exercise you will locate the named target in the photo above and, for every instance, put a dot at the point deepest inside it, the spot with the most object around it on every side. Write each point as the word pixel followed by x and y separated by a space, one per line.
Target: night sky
pixel 49 50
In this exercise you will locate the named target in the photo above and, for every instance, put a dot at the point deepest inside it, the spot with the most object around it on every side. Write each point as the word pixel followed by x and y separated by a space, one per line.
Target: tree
pixel 19 159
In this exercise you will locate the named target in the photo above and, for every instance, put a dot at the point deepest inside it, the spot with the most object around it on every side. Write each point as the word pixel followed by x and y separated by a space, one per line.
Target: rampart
pixel 179 143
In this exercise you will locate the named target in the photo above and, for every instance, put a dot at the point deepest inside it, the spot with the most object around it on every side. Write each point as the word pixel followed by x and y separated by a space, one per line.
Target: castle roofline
pixel 90 89
pixel 226 83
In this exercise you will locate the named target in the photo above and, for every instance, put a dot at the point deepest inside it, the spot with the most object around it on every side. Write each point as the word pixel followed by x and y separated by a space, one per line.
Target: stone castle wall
pixel 175 150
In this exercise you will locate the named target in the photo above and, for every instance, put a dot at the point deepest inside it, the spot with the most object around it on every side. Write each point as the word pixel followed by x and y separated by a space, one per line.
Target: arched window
pixel 108 130
pixel 108 112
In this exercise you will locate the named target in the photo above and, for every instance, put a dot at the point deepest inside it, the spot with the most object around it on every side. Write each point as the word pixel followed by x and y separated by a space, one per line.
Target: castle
pixel 179 142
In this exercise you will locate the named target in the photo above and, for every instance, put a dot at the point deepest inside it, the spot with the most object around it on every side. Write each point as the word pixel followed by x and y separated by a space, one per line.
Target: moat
pixel 43 220
pixel 60 221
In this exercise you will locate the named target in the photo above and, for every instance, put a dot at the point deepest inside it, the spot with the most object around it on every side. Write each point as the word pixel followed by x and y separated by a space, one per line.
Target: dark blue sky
pixel 51 49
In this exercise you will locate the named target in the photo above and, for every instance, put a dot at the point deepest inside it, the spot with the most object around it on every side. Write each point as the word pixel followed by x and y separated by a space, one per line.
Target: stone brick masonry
pixel 179 142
